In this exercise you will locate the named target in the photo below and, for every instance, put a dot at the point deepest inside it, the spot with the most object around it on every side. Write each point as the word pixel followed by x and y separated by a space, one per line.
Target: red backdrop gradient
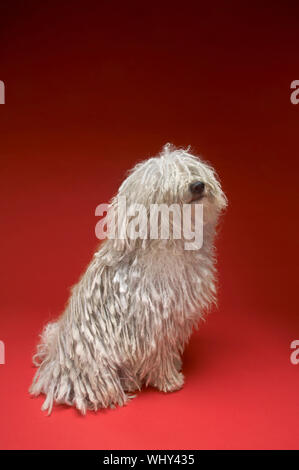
pixel 93 87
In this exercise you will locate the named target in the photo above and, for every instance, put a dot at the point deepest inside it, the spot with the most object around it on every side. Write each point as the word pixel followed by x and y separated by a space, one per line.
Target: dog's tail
pixel 48 366
pixel 48 337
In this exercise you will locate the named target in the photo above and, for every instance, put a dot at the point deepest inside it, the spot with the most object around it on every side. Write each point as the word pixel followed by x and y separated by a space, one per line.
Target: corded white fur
pixel 132 312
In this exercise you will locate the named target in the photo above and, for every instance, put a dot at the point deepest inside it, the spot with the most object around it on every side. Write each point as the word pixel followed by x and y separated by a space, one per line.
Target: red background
pixel 93 87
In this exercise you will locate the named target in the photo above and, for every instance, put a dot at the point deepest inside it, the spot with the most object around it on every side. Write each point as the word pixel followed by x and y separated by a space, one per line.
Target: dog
pixel 131 314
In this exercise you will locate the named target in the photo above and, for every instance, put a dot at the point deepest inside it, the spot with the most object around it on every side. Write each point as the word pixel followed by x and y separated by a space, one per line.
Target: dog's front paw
pixel 170 384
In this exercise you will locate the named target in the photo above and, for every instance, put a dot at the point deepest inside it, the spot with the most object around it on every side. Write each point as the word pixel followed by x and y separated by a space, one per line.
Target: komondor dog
pixel 132 312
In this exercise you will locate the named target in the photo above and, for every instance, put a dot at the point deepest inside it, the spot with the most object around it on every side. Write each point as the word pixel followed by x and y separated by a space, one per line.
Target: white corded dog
pixel 132 312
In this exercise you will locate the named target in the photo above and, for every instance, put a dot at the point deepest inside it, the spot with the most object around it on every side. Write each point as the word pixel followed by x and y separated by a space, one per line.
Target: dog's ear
pixel 117 223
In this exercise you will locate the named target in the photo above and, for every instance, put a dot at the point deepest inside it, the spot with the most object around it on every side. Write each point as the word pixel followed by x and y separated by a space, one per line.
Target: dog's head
pixel 174 177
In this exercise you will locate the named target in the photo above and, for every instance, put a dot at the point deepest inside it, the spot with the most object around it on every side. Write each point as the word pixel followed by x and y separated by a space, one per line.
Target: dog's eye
pixel 197 188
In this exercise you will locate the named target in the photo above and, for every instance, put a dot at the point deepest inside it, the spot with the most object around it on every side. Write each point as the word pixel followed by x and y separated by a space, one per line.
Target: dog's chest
pixel 166 287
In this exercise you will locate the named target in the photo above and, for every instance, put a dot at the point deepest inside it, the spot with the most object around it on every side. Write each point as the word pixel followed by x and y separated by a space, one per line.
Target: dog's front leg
pixel 166 376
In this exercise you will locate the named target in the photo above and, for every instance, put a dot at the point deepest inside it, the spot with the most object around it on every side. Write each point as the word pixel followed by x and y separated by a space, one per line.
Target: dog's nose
pixel 197 187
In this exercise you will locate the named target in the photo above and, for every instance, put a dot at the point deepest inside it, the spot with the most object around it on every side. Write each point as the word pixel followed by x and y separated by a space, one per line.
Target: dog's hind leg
pixel 75 376
pixel 80 390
